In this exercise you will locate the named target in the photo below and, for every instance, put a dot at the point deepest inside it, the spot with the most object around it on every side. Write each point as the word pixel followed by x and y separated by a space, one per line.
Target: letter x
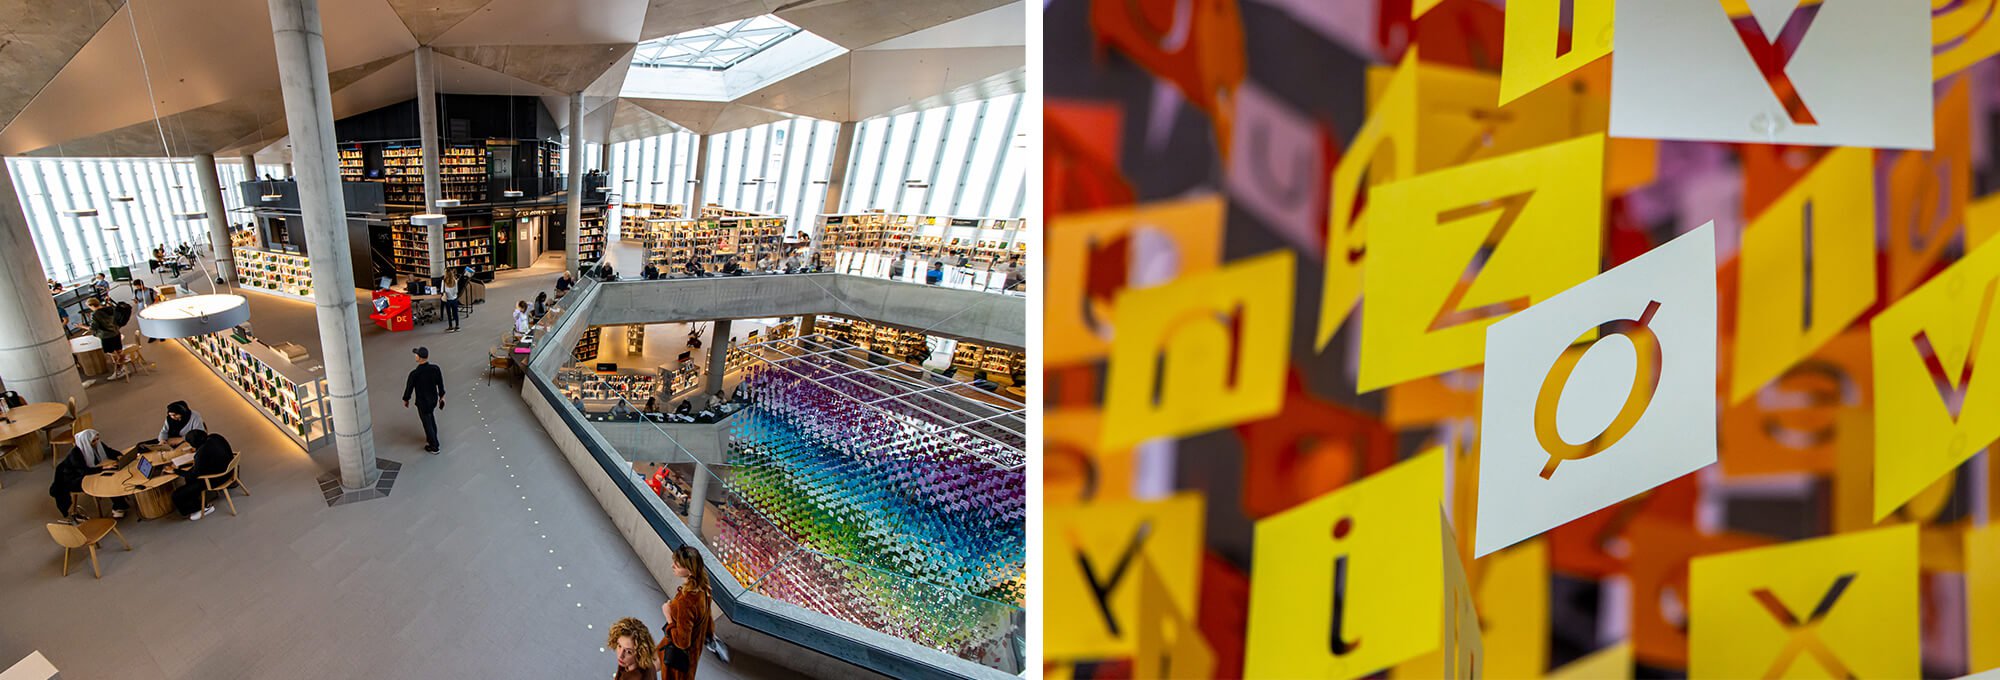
pixel 1805 636
pixel 1773 56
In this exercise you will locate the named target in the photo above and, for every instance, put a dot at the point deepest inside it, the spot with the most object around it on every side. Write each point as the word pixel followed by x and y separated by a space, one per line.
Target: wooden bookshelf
pixel 461 174
pixel 711 242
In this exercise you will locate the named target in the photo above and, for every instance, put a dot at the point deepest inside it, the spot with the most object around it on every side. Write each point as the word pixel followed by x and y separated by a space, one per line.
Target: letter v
pixel 1951 390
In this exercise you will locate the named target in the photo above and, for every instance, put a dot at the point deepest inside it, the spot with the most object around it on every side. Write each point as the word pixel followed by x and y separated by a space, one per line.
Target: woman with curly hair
pixel 688 618
pixel 634 645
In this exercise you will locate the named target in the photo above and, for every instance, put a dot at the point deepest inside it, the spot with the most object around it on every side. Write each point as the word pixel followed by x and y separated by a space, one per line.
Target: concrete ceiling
pixel 72 81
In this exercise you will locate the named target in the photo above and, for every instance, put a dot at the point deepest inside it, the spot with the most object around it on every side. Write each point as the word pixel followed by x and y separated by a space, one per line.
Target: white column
pixel 34 352
pixel 700 196
pixel 301 52
pixel 836 179
pixel 718 357
pixel 250 168
pixel 573 240
pixel 218 216
pixel 433 154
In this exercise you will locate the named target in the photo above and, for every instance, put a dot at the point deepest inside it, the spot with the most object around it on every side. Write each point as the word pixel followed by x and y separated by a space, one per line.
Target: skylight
pixel 714 48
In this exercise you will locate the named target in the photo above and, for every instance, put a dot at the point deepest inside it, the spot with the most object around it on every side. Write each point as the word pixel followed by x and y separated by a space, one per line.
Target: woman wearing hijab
pixel 180 420
pixel 212 456
pixel 88 457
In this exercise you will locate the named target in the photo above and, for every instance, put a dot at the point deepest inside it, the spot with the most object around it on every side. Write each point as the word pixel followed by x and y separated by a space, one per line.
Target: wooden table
pixel 152 497
pixel 90 357
pixel 29 421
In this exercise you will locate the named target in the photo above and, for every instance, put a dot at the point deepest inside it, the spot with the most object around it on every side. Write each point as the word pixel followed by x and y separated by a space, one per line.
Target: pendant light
pixel 188 316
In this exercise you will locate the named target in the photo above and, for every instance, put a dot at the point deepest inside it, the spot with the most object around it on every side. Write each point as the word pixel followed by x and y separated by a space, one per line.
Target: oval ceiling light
pixel 122 199
pixel 186 317
pixel 81 212
pixel 271 198
pixel 427 220
pixel 516 193
pixel 448 203
pixel 192 215
pixel 112 227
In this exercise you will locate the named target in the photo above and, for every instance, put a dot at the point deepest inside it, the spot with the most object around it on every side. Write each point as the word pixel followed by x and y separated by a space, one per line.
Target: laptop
pixel 146 468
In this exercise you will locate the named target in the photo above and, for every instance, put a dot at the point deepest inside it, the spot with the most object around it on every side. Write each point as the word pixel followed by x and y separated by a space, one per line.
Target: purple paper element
pixel 1276 168
pixel 1352 24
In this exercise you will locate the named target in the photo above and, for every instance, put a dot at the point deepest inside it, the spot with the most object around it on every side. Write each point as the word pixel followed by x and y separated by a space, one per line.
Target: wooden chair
pixel 134 360
pixel 216 483
pixel 63 427
pixel 59 444
pixel 85 535
pixel 496 363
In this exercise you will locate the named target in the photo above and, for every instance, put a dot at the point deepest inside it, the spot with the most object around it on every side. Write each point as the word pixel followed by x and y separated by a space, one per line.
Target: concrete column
pixel 604 160
pixel 836 181
pixel 806 324
pixel 700 197
pixel 718 357
pixel 573 228
pixel 433 153
pixel 288 171
pixel 697 498
pixel 218 216
pixel 34 351
pixel 301 52
pixel 250 168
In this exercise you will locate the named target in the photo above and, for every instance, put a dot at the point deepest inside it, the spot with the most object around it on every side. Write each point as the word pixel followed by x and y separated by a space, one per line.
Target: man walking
pixel 426 382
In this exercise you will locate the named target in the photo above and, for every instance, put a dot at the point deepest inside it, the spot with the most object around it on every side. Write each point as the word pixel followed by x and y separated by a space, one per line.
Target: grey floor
pixel 490 560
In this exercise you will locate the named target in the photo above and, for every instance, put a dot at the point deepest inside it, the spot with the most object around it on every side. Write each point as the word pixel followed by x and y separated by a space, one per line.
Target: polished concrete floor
pixel 489 560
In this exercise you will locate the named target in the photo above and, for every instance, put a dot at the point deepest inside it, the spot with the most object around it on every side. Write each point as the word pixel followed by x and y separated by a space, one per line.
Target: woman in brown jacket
pixel 688 619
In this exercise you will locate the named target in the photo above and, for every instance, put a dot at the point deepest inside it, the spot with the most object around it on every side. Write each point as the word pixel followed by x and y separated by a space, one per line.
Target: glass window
pixel 714 48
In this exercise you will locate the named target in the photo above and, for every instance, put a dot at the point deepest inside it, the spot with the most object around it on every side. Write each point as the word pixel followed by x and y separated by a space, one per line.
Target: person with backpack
pixel 104 324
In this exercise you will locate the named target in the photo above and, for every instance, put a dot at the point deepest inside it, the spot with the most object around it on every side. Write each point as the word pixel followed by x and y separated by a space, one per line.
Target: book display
pixel 711 242
pixel 634 386
pixel 647 211
pixel 586 346
pixel 288 393
pixel 635 339
pixel 280 273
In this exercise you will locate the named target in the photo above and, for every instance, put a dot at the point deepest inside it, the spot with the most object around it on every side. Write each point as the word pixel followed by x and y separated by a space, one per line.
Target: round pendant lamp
pixel 427 220
pixel 186 317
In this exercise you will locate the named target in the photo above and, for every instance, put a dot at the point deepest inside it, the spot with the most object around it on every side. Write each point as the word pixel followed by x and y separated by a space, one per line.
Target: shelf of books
pixel 287 393
pixel 980 241
pixel 633 387
pixel 276 273
pixel 878 338
pixel 468 245
pixel 711 242
pixel 646 211
pixel 715 211
pixel 586 347
pixel 461 174
pixel 409 246
pixel 635 339
pixel 353 164
pixel 995 361
pixel 590 237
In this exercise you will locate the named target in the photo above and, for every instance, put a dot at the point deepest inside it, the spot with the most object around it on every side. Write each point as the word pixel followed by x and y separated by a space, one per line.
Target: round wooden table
pixel 29 421
pixel 90 356
pixel 152 497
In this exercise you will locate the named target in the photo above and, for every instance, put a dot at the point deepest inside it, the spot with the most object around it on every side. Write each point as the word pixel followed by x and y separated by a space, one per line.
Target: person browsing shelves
pixel 426 383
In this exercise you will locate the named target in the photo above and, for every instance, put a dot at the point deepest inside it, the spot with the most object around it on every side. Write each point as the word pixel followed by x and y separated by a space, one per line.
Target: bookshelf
pixel 995 361
pixel 468 245
pixel 635 339
pixel 276 273
pixel 353 164
pixel 983 241
pixel 586 346
pixel 710 242
pixel 461 174
pixel 879 338
pixel 289 395
pixel 410 247
pixel 590 234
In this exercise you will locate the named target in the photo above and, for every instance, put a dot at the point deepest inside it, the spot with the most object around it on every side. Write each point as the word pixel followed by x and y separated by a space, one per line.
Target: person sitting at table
pixel 54 287
pixel 88 457
pixel 180 420
pixel 102 285
pixel 212 456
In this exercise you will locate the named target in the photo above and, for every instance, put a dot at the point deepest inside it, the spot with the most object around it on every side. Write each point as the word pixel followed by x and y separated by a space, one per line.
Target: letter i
pixel 1340 588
